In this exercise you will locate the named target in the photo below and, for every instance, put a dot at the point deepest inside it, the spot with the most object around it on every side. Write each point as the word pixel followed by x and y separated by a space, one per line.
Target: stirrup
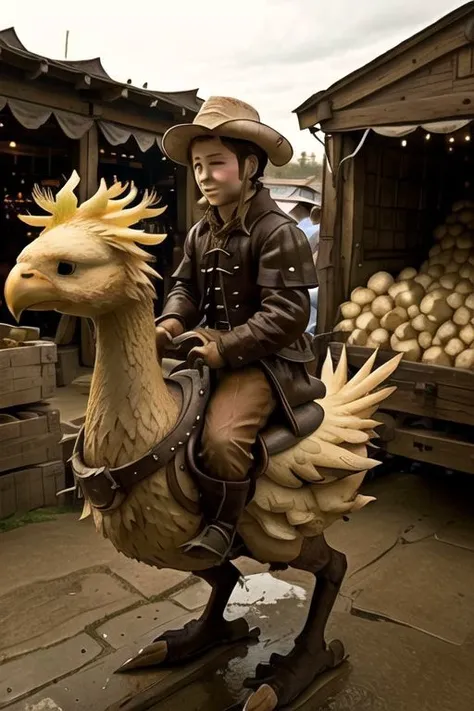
pixel 215 538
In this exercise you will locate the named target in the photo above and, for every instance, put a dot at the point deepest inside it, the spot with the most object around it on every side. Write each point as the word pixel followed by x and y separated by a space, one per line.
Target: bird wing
pixel 308 487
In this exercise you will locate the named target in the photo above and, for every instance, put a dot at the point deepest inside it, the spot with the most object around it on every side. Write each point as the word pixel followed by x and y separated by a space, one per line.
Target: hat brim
pixel 177 139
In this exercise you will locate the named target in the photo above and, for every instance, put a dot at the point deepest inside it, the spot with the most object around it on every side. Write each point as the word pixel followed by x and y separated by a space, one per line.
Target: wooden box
pixel 31 488
pixel 29 436
pixel 27 373
pixel 425 390
pixel 430 415
pixel 67 366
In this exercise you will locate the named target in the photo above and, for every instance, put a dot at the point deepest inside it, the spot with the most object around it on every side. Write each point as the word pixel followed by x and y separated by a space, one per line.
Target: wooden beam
pixel 435 108
pixel 118 92
pixel 84 83
pixel 41 70
pixel 433 447
pixel 385 73
pixel 132 116
pixel 65 99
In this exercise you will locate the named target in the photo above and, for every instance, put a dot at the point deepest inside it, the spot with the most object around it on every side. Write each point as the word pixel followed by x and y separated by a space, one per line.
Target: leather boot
pixel 222 505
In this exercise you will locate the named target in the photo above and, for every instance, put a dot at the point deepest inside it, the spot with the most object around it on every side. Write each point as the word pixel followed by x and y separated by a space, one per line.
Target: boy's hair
pixel 241 149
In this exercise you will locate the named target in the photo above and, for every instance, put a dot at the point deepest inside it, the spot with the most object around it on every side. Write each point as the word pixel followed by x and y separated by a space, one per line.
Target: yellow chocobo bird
pixel 87 262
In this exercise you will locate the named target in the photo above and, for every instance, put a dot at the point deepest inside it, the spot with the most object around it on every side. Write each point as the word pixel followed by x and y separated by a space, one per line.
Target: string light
pixel 404 143
pixel 12 144
pixel 428 136
pixel 451 140
pixel 450 149
pixel 467 137
pixel 101 150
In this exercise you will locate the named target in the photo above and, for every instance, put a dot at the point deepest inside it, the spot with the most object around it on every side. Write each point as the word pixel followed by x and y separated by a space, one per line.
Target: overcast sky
pixel 272 53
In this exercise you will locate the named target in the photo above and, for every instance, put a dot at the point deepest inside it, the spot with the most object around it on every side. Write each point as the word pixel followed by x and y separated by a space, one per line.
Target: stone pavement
pixel 72 610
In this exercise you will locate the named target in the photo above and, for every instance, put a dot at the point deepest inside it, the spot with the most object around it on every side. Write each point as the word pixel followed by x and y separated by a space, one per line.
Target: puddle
pixel 275 607
pixel 261 589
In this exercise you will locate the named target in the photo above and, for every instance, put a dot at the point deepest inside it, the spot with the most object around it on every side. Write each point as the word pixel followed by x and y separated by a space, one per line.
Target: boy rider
pixel 244 279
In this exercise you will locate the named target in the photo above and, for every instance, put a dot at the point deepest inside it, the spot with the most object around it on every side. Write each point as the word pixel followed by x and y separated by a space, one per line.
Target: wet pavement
pixel 405 615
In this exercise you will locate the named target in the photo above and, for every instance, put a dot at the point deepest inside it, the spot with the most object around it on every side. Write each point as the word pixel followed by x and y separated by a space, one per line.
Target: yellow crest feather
pixel 103 214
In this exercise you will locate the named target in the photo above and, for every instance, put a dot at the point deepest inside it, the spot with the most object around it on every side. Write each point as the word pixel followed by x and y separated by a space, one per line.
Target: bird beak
pixel 27 288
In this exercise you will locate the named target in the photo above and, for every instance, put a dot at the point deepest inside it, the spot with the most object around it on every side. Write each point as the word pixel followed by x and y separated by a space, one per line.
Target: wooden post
pixel 89 163
pixel 182 201
pixel 326 256
pixel 88 168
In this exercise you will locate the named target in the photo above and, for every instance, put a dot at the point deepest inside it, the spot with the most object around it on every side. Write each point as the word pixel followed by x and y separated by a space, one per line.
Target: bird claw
pixel 264 699
pixel 152 655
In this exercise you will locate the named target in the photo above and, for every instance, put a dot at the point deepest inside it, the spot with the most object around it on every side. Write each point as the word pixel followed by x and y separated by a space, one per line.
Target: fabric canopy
pixel 116 134
pixel 33 116
pixel 434 127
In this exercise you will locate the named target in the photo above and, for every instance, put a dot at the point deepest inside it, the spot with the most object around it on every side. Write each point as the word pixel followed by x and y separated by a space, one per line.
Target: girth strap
pixel 101 484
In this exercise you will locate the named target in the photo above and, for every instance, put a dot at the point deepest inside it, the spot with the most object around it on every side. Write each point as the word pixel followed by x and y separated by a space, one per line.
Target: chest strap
pixel 101 485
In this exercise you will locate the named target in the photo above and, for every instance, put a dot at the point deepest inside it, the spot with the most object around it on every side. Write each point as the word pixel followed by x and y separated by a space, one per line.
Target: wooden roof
pixel 428 77
pixel 89 78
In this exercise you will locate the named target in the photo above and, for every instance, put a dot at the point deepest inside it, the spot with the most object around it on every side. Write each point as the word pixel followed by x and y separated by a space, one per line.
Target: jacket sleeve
pixel 285 273
pixel 183 299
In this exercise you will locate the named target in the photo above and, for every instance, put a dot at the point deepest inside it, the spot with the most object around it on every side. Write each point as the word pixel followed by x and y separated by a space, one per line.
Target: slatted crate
pixel 27 373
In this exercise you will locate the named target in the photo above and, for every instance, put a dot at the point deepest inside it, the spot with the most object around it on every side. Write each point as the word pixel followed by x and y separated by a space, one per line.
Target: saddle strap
pixel 101 484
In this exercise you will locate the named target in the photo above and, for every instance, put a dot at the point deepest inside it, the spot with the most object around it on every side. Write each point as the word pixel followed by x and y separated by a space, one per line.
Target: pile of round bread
pixel 426 314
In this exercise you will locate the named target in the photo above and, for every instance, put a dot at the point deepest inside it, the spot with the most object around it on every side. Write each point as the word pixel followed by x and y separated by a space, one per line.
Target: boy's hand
pixel 210 355
pixel 165 332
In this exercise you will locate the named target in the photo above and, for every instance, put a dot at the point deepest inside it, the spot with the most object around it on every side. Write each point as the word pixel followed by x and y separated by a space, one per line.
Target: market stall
pixel 397 231
pixel 59 115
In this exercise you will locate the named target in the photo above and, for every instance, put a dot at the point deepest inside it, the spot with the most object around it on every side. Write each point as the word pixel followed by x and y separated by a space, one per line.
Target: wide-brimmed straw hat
pixel 227 118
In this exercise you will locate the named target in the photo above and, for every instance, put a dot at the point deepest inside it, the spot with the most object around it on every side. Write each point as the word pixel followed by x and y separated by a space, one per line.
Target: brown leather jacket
pixel 249 282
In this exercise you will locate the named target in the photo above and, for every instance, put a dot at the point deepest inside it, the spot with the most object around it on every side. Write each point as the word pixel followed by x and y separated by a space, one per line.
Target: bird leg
pixel 288 676
pixel 201 635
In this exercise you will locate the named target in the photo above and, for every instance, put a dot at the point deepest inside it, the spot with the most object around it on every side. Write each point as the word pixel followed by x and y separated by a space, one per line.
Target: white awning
pixel 434 127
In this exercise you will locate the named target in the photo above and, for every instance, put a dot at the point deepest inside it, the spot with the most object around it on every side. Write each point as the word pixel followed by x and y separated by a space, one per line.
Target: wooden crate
pixel 29 436
pixel 67 366
pixel 426 390
pixel 27 373
pixel 31 488
pixel 441 395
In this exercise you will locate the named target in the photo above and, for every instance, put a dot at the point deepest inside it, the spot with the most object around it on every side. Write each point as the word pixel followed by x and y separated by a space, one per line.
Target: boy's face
pixel 216 170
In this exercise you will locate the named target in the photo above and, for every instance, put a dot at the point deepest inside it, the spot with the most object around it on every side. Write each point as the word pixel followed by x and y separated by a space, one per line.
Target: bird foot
pixel 289 676
pixel 264 699
pixel 191 641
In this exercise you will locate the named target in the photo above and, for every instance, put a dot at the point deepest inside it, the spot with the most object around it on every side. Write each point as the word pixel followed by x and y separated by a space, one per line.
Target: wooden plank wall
pixel 393 214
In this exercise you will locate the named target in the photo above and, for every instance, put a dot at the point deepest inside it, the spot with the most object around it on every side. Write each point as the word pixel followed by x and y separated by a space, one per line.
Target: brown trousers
pixel 238 410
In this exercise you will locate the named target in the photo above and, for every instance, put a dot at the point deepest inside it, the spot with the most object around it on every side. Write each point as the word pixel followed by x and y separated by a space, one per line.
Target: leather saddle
pixel 190 382
pixel 278 435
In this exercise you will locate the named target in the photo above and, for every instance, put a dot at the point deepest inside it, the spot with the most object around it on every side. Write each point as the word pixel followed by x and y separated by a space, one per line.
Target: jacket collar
pixel 260 203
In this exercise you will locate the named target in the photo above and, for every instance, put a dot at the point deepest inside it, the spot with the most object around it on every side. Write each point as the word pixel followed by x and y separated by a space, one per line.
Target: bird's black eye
pixel 66 268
